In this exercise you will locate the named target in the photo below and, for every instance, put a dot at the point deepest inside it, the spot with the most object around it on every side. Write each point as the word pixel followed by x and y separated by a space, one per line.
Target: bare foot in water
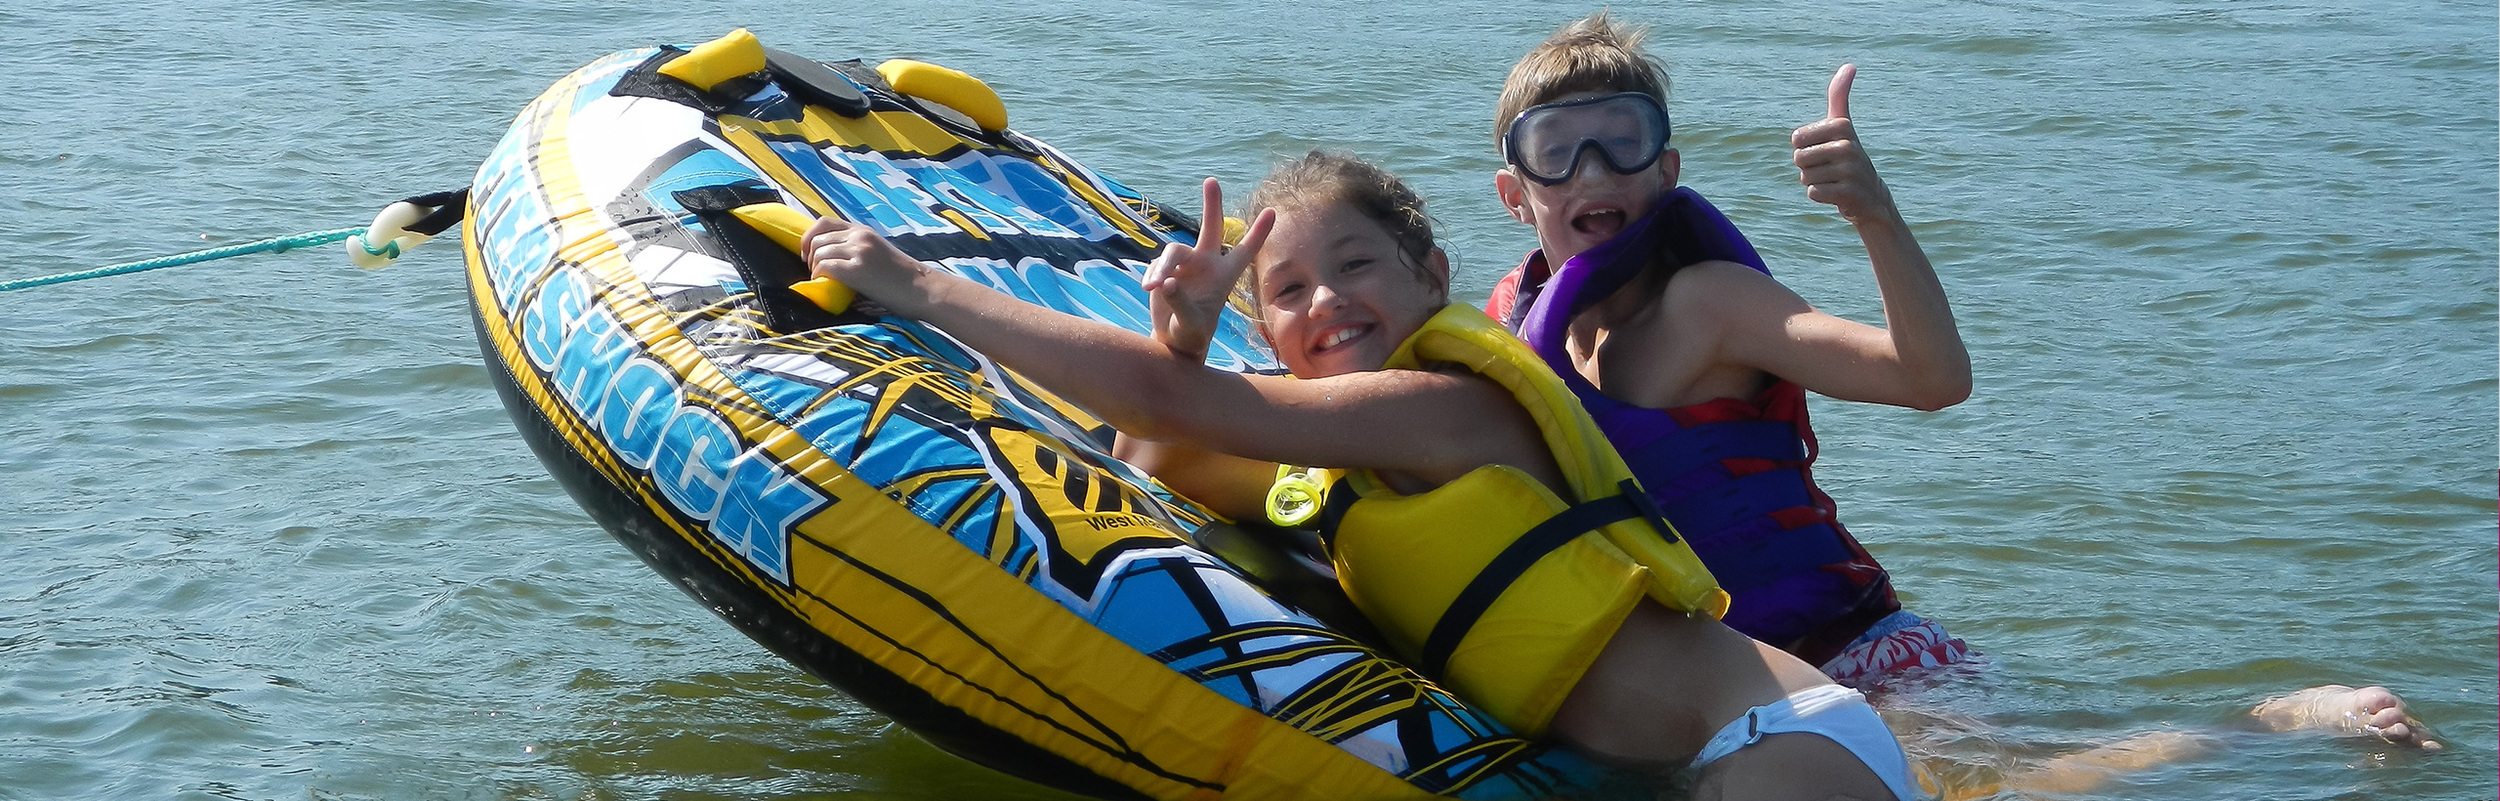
pixel 2366 712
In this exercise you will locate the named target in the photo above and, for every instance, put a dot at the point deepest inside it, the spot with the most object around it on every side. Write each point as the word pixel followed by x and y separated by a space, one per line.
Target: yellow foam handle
pixel 713 62
pixel 786 226
pixel 829 294
pixel 953 89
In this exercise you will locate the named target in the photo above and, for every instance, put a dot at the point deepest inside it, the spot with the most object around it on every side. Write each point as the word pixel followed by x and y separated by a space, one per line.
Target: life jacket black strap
pixel 1514 561
pixel 1341 497
pixel 1649 509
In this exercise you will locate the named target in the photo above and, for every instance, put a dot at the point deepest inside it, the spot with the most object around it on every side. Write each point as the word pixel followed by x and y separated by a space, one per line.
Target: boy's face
pixel 1591 206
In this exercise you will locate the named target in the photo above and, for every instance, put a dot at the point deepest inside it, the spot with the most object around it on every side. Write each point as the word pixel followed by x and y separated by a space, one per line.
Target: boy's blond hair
pixel 1592 54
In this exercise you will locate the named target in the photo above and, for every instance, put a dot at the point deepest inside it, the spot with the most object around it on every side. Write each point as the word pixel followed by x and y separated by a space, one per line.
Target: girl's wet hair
pixel 1321 177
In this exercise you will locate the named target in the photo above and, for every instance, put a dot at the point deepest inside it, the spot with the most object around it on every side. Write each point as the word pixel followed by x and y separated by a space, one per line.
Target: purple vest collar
pixel 1683 229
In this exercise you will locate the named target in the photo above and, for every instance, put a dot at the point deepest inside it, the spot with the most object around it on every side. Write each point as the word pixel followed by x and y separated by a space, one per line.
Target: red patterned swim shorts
pixel 1899 642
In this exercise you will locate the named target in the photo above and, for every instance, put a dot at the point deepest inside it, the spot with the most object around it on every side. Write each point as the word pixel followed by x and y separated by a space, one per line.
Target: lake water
pixel 2227 272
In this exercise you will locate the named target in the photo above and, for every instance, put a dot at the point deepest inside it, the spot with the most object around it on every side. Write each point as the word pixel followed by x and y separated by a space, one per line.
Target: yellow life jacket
pixel 1493 584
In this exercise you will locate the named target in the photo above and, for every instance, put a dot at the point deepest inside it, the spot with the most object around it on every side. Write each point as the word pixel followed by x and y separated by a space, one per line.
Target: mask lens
pixel 1628 130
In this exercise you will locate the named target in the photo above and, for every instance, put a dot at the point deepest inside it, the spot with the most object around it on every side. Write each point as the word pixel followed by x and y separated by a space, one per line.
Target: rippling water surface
pixel 2227 271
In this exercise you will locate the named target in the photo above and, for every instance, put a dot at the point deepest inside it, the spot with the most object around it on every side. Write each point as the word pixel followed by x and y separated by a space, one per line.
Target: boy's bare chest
pixel 1647 358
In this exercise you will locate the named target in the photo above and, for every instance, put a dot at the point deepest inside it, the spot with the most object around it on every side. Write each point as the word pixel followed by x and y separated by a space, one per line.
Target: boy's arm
pixel 1917 359
pixel 1434 425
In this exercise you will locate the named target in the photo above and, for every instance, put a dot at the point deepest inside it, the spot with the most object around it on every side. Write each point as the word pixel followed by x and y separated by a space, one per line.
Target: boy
pixel 1696 362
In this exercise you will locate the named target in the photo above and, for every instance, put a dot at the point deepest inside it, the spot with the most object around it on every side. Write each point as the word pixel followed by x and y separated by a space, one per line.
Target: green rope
pixel 277 245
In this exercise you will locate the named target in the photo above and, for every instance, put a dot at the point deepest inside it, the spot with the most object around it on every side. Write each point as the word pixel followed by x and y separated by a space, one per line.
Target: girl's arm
pixel 1436 426
pixel 1233 486
pixel 1186 289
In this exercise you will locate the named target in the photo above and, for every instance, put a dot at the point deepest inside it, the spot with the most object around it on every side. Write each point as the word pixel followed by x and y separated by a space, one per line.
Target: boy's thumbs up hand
pixel 1830 163
pixel 1836 96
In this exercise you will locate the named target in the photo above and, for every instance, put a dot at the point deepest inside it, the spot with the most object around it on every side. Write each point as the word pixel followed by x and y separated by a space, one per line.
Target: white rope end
pixel 383 242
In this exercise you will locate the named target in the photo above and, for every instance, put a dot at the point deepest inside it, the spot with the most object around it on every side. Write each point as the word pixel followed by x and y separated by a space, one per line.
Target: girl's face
pixel 1336 294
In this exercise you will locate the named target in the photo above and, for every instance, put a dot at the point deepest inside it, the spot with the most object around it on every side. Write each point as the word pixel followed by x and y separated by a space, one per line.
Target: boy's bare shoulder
pixel 1724 292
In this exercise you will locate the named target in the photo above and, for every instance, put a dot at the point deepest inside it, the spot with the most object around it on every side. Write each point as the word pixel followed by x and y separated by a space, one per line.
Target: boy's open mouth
pixel 1599 223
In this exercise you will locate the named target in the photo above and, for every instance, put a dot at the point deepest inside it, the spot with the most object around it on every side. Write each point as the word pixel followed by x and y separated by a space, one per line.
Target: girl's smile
pixel 1339 337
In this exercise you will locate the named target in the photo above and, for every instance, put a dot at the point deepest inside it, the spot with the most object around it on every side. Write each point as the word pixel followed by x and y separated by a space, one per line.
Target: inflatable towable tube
pixel 884 508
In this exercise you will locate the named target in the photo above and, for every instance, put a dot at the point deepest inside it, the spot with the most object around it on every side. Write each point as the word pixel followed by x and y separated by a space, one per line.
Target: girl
pixel 1483 524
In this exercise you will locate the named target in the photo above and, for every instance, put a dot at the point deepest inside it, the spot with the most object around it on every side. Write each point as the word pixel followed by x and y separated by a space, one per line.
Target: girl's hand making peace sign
pixel 1187 285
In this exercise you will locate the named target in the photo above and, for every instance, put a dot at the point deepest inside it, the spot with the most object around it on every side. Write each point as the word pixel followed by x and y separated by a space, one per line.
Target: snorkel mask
pixel 1628 129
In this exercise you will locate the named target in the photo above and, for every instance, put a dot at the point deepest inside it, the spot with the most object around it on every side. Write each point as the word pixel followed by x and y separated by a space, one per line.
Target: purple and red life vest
pixel 1734 476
